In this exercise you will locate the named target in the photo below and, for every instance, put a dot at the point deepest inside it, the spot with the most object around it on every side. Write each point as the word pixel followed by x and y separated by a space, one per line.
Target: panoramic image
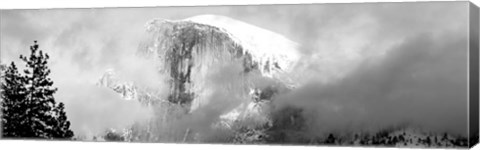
pixel 359 74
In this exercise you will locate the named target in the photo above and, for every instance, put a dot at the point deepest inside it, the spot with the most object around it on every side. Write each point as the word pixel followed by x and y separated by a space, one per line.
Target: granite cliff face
pixel 194 52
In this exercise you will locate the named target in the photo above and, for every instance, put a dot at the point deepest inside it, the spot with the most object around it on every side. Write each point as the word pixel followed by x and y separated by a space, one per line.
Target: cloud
pixel 92 109
pixel 334 38
pixel 421 81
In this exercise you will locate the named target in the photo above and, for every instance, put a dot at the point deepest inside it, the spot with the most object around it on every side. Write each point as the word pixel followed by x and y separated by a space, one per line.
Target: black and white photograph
pixel 384 74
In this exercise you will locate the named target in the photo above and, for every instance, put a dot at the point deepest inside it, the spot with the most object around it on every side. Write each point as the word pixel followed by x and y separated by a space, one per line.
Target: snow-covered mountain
pixel 208 55
pixel 188 50
pixel 193 49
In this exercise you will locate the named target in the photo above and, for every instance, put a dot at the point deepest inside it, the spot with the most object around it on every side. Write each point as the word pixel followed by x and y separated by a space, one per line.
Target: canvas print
pixel 359 74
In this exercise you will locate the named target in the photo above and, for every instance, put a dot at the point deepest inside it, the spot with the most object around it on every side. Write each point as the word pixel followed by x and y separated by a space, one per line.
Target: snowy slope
pixel 264 45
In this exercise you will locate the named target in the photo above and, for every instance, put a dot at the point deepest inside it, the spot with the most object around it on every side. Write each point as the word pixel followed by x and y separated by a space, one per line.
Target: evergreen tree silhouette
pixel 13 95
pixel 28 106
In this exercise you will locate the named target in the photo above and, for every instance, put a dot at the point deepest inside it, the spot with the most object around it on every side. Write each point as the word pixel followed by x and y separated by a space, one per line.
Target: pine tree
pixel 29 104
pixel 13 95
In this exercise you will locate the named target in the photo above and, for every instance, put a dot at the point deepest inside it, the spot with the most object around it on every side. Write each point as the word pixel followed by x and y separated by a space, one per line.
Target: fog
pixel 417 83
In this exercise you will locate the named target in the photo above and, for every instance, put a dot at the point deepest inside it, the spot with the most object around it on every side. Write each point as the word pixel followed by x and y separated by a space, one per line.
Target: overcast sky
pixel 375 64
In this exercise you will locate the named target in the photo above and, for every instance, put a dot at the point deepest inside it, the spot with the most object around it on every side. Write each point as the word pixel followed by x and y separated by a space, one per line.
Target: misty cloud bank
pixel 93 110
pixel 418 83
